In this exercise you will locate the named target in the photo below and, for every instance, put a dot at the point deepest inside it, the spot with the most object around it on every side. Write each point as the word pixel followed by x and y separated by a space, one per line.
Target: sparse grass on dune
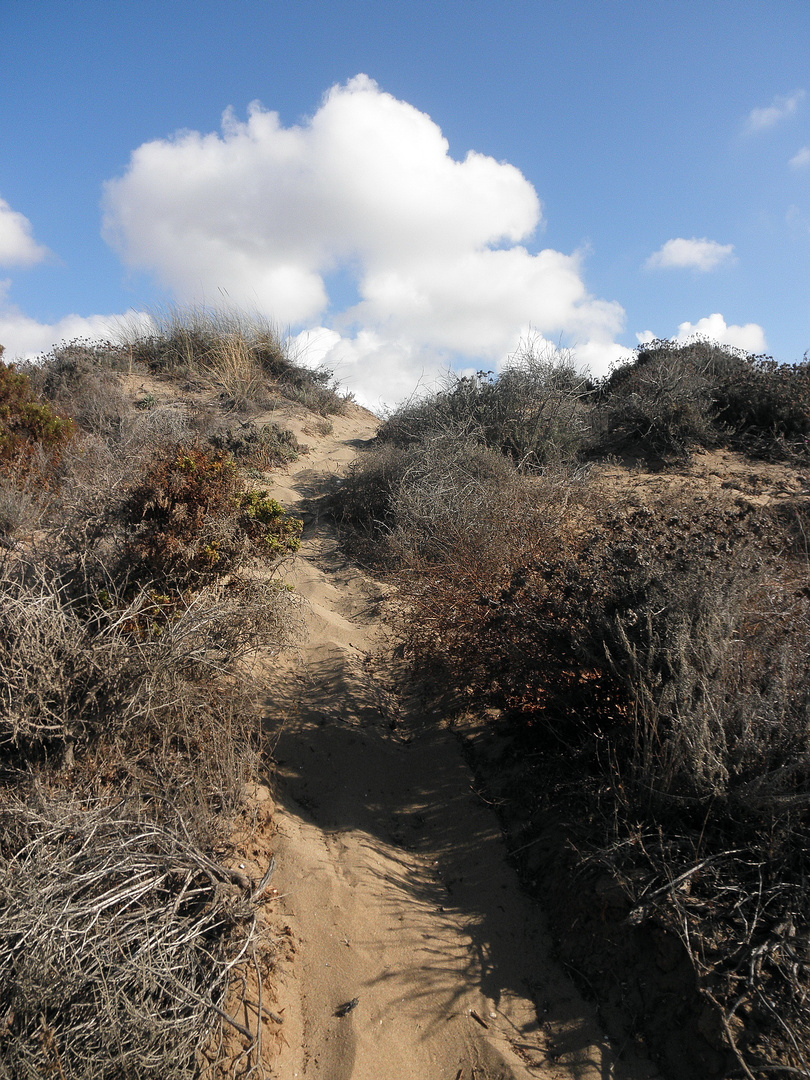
pixel 241 357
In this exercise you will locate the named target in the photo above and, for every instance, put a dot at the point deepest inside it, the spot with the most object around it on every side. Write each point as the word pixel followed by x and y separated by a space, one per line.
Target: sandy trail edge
pixel 392 872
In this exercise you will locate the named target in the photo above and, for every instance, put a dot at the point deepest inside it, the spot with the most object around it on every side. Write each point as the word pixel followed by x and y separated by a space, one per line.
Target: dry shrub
pixel 22 503
pixel 420 502
pixel 58 677
pixel 663 627
pixel 81 379
pixel 316 391
pixel 767 406
pixel 367 500
pixel 132 927
pixel 661 657
pixel 534 412
pixel 658 405
pixel 118 939
pixel 131 625
pixel 675 396
pixel 74 668
pixel 261 447
pixel 164 425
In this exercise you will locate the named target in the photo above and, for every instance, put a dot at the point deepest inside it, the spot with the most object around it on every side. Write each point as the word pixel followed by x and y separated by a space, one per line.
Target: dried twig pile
pixel 118 937
pixel 744 925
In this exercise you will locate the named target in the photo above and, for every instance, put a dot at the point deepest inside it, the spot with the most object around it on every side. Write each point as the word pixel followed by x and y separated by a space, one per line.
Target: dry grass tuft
pixel 240 357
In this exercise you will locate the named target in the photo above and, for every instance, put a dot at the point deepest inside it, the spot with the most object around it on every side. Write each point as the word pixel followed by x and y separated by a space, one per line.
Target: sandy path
pixel 392 871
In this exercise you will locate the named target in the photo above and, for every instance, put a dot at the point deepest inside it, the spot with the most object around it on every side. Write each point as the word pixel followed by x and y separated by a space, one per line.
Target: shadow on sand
pixel 354 760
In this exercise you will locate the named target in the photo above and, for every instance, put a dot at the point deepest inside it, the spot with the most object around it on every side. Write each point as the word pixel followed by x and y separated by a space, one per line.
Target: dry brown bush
pixel 130 718
pixel 534 412
pixel 76 667
pixel 675 396
pixel 260 446
pixel 659 657
pixel 81 379
pixel 118 939
pixel 22 503
pixel 424 502
pixel 109 686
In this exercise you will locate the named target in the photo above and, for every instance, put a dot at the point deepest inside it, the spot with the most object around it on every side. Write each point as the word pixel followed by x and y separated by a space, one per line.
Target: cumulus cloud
pixel 26 338
pixel 694 254
pixel 802 159
pixel 760 119
pixel 17 244
pixel 438 247
pixel 750 338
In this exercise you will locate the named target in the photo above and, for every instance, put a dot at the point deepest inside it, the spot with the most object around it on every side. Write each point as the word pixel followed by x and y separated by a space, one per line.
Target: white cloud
pixel 781 107
pixel 264 214
pixel 802 159
pixel 17 244
pixel 379 371
pixel 600 356
pixel 25 338
pixel 694 254
pixel 750 338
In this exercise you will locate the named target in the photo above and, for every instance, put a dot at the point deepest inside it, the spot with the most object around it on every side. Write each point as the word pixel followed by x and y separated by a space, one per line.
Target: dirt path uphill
pixel 417 957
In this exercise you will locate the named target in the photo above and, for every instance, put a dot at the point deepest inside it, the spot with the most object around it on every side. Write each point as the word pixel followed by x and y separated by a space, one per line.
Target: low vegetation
pixel 674 398
pixel 644 647
pixel 236 356
pixel 638 634
pixel 138 586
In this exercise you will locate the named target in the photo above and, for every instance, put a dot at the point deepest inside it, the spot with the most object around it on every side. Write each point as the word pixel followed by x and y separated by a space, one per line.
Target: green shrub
pixel 190 523
pixel 27 424
pixel 174 511
pixel 268 524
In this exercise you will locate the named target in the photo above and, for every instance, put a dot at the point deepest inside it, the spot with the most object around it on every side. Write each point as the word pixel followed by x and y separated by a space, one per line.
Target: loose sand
pixel 392 872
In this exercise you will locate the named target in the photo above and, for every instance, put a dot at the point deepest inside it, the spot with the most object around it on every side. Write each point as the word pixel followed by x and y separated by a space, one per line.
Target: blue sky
pixel 611 169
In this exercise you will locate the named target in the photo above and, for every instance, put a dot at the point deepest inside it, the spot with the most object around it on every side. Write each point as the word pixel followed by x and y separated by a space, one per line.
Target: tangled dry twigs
pixel 118 942
pixel 744 926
